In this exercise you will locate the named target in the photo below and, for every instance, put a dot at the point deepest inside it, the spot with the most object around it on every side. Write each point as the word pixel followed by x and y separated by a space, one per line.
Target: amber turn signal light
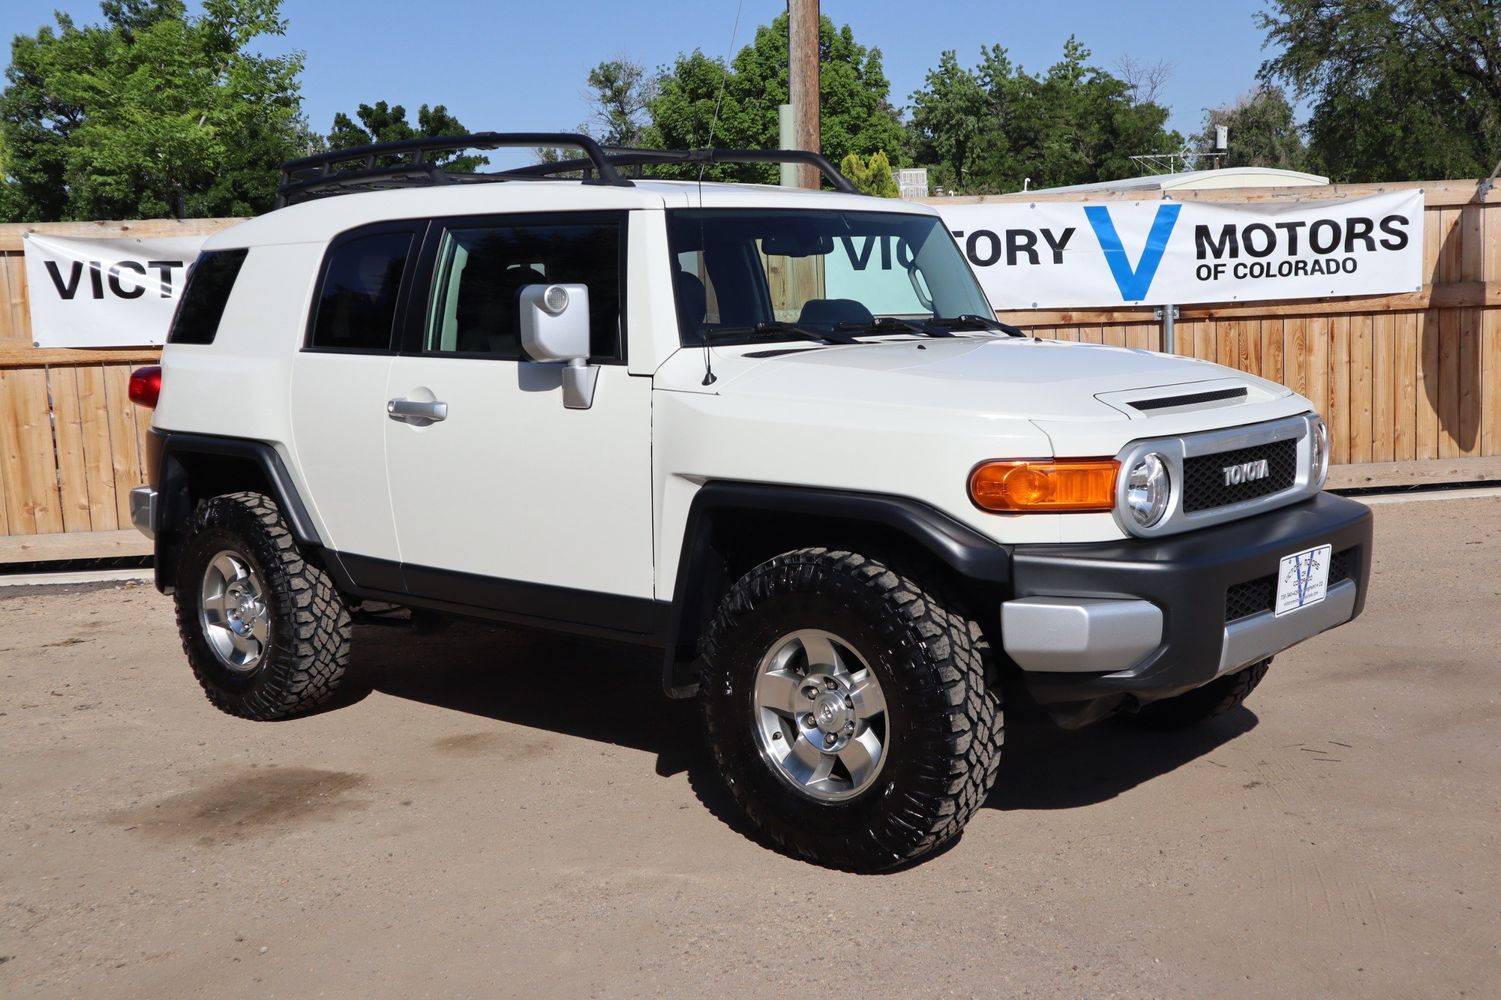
pixel 1044 486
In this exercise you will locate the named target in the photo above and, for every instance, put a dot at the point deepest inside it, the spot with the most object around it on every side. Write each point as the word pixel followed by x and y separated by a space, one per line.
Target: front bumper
pixel 1150 618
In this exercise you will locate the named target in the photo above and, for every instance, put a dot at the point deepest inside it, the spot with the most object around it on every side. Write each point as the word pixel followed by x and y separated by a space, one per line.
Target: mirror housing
pixel 555 327
pixel 555 322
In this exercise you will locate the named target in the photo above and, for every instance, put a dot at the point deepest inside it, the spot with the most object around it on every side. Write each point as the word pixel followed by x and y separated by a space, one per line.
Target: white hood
pixel 996 378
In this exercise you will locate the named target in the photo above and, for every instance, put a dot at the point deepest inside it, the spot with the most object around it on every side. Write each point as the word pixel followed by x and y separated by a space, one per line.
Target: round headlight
pixel 1318 453
pixel 1147 488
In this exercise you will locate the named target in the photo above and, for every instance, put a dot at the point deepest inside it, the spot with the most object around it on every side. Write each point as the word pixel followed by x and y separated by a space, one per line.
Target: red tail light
pixel 146 386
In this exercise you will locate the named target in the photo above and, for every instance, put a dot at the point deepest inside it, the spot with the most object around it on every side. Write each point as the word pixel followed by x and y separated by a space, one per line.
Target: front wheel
pixel 847 709
pixel 264 629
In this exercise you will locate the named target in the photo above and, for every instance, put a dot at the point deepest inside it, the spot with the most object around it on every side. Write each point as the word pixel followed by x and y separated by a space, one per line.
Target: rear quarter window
pixel 207 293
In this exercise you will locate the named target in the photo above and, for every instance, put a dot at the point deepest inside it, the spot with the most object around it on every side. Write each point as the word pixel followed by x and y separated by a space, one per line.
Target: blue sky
pixel 521 66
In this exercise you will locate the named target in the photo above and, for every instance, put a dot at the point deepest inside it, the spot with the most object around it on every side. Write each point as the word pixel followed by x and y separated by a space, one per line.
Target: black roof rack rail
pixel 621 156
pixel 315 176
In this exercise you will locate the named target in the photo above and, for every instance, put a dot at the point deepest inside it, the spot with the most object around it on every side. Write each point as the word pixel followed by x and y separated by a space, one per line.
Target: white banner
pixel 1060 255
pixel 105 293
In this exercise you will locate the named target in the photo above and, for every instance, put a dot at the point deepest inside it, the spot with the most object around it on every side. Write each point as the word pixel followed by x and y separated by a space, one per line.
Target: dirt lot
pixel 496 814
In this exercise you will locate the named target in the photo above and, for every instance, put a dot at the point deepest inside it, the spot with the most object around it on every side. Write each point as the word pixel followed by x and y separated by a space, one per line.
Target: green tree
pixel 1262 132
pixel 1401 89
pixel 380 122
pixel 150 113
pixel 993 127
pixel 871 175
pixel 622 94
pixel 855 112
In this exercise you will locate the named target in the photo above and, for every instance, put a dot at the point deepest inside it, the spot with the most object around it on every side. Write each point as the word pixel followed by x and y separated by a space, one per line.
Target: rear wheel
pixel 265 632
pixel 1201 704
pixel 848 711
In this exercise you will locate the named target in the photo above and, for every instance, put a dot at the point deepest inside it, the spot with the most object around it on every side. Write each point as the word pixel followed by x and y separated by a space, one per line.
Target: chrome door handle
pixel 417 410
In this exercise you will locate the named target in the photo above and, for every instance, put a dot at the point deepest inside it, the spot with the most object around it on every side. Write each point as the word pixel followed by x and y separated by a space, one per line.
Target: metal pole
pixel 1169 317
pixel 802 81
pixel 787 139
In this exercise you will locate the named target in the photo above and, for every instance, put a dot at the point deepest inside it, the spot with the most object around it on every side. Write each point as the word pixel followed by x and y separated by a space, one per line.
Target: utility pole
pixel 802 81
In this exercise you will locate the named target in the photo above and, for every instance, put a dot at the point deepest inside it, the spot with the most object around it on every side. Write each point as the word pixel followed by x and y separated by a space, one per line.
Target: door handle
pixel 415 410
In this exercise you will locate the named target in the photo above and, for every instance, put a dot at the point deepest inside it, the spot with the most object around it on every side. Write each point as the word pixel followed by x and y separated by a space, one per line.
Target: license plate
pixel 1302 579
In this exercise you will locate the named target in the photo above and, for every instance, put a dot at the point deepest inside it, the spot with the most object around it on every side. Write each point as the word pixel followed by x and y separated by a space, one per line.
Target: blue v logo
pixel 1134 282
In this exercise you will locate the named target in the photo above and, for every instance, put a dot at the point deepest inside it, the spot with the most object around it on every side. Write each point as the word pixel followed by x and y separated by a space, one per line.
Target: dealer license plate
pixel 1303 579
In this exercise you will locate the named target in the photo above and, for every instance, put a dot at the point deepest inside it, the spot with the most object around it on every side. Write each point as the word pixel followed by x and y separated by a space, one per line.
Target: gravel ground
pixel 495 814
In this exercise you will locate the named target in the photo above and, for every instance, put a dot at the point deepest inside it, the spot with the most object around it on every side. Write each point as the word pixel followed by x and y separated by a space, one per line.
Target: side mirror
pixel 555 322
pixel 555 327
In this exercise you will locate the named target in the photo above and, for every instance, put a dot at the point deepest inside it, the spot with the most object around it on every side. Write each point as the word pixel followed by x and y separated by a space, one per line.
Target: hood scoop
pixel 1163 400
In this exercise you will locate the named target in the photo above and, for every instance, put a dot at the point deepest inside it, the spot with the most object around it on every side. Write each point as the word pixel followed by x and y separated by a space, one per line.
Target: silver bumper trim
pixel 1079 634
pixel 143 510
pixel 1258 637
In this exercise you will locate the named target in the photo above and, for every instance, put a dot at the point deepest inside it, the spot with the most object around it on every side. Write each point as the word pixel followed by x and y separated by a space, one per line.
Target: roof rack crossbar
pixel 315 176
pixel 619 156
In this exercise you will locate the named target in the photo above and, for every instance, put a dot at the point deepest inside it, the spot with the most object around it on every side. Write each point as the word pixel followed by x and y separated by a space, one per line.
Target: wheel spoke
pixel 214 612
pixel 865 691
pixel 806 762
pixel 242 643
pixel 227 567
pixel 822 657
pixel 861 756
pixel 778 690
pixel 260 627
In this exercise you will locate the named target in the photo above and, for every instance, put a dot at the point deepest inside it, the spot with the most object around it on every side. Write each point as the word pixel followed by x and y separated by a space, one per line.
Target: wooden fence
pixel 1410 383
pixel 71 443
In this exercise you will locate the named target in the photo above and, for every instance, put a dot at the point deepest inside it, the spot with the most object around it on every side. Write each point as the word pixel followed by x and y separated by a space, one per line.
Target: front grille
pixel 1257 596
pixel 1250 598
pixel 1204 486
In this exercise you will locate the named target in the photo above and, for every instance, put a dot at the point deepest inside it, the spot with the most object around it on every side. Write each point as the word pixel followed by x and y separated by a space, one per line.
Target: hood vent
pixel 1194 399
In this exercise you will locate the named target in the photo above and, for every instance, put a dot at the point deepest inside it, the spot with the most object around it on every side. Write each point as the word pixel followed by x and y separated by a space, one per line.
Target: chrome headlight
pixel 1318 454
pixel 1147 490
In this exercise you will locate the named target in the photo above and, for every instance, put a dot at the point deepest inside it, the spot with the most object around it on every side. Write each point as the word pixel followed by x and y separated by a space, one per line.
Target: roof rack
pixel 621 156
pixel 362 168
pixel 316 176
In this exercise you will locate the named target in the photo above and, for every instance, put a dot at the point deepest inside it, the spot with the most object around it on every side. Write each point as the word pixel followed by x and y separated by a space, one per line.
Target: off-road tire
pixel 310 626
pixel 1201 704
pixel 945 724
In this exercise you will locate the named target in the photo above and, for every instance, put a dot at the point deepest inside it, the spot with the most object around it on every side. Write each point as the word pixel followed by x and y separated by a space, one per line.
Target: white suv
pixel 775 433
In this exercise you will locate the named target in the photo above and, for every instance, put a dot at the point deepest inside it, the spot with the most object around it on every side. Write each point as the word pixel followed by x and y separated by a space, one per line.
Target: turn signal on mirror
pixel 1045 486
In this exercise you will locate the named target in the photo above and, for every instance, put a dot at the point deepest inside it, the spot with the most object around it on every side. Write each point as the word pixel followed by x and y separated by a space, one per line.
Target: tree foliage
pixel 1262 132
pixel 854 108
pixel 872 174
pixel 1401 89
pixel 992 127
pixel 380 122
pixel 150 113
pixel 621 92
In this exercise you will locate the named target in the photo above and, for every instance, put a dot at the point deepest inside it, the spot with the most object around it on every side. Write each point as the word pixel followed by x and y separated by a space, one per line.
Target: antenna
pixel 709 377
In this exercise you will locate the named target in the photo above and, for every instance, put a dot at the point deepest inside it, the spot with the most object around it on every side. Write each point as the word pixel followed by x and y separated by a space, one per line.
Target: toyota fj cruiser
pixel 776 433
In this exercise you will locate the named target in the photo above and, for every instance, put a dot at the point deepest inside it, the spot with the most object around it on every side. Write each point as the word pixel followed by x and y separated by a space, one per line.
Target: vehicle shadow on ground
pixel 612 694
pixel 1044 767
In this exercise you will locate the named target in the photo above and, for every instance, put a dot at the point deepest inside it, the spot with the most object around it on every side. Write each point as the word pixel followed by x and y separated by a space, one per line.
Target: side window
pixel 482 270
pixel 207 293
pixel 357 302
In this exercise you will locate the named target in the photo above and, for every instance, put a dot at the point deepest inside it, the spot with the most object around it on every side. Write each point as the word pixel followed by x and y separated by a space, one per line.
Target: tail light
pixel 146 386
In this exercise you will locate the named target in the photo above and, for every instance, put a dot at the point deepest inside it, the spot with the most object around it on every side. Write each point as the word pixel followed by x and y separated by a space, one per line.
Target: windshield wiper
pixel 895 324
pixel 969 321
pixel 775 328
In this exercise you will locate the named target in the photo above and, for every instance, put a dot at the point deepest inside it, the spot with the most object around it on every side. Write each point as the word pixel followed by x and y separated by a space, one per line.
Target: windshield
pixel 748 270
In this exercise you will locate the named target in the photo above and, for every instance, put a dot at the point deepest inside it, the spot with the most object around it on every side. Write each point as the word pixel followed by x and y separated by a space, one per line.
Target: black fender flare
pixel 964 551
pixel 168 457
